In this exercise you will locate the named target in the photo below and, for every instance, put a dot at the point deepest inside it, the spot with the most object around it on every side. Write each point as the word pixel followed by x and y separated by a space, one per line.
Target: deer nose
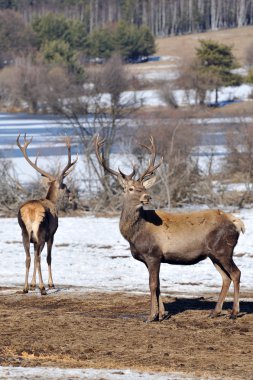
pixel 145 198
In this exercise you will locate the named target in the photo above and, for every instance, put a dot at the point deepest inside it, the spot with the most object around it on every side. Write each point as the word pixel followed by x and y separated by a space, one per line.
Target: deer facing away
pixel 157 237
pixel 38 219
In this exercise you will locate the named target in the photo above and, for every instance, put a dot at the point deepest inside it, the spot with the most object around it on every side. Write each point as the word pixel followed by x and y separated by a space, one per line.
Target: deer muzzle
pixel 145 199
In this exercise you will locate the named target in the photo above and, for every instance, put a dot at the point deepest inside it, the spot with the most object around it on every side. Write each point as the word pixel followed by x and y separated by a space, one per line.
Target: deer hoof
pixel 214 314
pixel 164 317
pixel 154 318
pixel 25 290
pixel 233 316
pixel 51 286
pixel 43 291
pixel 32 287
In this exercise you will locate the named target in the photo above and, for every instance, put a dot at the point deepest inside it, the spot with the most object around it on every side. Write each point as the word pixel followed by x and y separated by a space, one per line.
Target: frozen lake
pixel 48 133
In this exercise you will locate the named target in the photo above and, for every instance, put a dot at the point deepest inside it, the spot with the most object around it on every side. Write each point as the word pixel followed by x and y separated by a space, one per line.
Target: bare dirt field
pixel 73 329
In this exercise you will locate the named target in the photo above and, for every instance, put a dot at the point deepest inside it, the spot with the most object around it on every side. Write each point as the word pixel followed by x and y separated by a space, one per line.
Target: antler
pixel 70 165
pixel 98 145
pixel 151 166
pixel 33 164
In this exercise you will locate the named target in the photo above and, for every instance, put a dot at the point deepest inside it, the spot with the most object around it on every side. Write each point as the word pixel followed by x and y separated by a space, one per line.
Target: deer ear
pixel 121 180
pixel 149 182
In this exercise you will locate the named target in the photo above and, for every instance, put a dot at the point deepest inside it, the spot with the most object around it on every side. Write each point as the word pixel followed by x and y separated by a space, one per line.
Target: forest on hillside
pixel 163 17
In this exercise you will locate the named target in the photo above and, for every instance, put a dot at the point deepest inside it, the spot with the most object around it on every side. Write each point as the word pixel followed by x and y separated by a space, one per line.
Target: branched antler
pixel 151 166
pixel 68 168
pixel 70 165
pixel 147 173
pixel 98 145
pixel 33 164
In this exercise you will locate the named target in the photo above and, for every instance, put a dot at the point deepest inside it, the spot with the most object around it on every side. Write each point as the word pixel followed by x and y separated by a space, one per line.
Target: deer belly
pixel 184 252
pixel 184 258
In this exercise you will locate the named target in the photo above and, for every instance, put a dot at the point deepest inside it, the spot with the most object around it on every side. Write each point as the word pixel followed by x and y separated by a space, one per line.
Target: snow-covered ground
pixel 153 97
pixel 17 373
pixel 90 253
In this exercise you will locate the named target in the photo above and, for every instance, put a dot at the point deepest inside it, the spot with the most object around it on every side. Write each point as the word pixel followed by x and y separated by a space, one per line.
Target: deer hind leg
pixel 49 260
pixel 226 281
pixel 26 243
pixel 37 253
pixel 33 282
pixel 234 274
pixel 157 311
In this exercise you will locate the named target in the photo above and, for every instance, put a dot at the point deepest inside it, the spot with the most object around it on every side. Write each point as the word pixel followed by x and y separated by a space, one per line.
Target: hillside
pixel 173 51
pixel 184 46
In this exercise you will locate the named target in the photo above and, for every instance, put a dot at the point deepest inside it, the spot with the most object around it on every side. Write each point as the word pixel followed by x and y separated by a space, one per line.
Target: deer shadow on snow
pixel 180 305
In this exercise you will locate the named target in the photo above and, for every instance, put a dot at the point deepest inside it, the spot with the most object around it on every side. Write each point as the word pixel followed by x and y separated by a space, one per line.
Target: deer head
pixel 134 189
pixel 55 182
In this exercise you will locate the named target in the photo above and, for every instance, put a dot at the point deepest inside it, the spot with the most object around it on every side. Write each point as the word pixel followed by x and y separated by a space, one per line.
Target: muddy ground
pixel 108 330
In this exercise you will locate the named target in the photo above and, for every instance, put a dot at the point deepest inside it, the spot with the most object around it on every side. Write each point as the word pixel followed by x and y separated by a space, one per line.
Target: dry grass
pixel 184 46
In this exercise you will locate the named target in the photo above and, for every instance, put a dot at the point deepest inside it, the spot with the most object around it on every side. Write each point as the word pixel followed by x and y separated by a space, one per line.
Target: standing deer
pixel 157 237
pixel 38 219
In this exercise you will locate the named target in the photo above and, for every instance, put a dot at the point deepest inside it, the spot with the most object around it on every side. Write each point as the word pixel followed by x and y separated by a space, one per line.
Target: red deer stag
pixel 157 236
pixel 38 219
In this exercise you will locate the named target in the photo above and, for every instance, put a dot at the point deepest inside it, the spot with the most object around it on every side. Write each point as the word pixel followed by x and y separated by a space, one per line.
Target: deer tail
pixel 240 226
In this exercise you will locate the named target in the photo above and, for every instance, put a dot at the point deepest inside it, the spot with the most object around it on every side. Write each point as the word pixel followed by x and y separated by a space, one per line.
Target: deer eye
pixel 131 188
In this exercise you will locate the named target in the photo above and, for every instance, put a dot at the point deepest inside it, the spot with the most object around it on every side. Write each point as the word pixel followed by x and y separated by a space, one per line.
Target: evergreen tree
pixel 101 43
pixel 216 62
pixel 129 41
pixel 53 27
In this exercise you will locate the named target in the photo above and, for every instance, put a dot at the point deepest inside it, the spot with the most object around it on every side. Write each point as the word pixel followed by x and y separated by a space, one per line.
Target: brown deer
pixel 157 236
pixel 38 219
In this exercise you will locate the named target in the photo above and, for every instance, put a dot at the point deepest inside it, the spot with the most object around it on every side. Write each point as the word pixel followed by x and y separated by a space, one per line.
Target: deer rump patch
pixel 32 214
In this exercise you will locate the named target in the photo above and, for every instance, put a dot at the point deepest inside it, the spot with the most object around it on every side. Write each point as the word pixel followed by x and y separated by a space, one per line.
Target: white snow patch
pixel 46 373
pixel 91 253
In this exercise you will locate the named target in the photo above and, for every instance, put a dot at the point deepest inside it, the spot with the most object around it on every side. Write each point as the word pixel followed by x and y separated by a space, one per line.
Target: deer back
pixel 183 238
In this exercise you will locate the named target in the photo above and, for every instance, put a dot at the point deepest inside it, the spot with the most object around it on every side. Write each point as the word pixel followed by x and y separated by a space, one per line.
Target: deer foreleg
pixel 157 310
pixel 162 312
pixel 49 260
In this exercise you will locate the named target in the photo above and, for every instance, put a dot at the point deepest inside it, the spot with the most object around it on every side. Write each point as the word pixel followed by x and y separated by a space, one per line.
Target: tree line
pixel 162 17
pixel 66 41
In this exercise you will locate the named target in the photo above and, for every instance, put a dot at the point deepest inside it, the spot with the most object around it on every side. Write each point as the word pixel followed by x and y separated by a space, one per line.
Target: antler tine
pixel 70 165
pixel 151 165
pixel 33 164
pixel 27 142
pixel 128 176
pixel 98 145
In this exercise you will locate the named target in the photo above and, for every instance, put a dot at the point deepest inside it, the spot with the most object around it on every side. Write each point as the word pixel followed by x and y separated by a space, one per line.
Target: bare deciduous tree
pixel 24 82
pixel 179 175
pixel 101 106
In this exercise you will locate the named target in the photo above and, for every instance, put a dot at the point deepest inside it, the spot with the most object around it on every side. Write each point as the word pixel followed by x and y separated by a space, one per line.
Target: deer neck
pixel 53 193
pixel 130 220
